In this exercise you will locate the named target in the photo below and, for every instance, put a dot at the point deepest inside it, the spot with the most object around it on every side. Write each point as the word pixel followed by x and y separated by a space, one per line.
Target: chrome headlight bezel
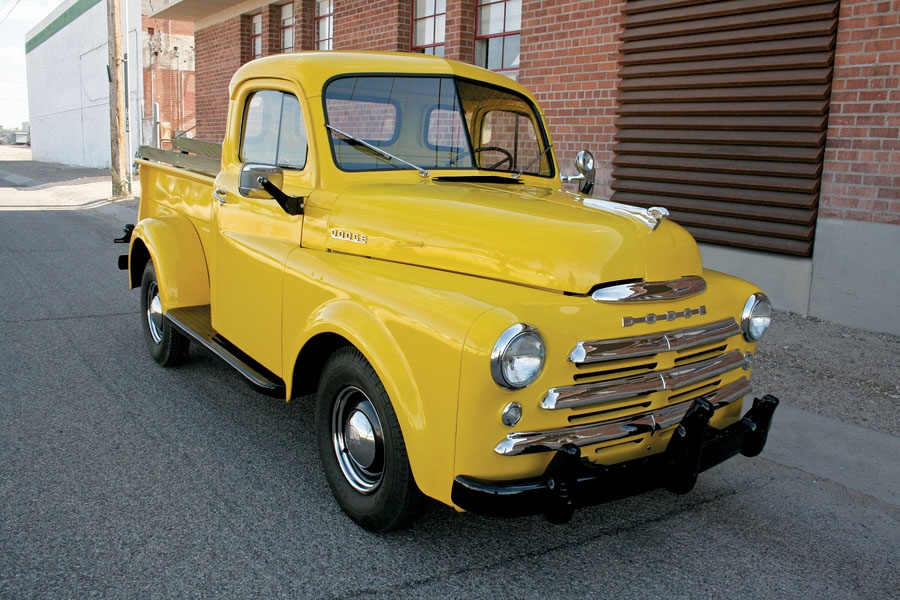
pixel 504 361
pixel 756 317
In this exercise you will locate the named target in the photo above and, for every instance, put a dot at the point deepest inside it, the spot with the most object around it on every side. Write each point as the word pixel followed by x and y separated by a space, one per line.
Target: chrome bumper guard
pixel 572 482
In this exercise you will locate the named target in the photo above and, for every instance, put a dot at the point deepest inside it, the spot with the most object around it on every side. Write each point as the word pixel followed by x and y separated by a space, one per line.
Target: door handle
pixel 220 194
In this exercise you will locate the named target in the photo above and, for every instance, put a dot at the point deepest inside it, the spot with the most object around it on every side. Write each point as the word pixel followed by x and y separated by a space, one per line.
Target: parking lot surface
pixel 120 479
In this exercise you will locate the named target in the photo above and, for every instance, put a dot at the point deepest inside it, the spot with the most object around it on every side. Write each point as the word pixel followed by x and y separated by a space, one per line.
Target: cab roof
pixel 313 69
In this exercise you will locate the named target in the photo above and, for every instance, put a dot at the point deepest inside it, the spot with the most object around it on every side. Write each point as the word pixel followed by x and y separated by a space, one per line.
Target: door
pixel 255 235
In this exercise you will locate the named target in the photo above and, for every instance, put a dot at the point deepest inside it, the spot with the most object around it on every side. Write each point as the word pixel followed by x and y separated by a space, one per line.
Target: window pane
pixel 440 6
pixel 446 129
pixel 292 144
pixel 490 19
pixel 428 24
pixel 257 24
pixel 438 50
pixel 287 14
pixel 511 51
pixel 495 53
pixel 261 127
pixel 419 35
pixel 513 15
pixel 287 40
pixel 439 29
pixel 370 121
pixel 481 53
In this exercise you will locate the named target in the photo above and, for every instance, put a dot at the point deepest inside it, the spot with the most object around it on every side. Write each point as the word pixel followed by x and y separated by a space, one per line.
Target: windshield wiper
pixel 383 153
pixel 518 173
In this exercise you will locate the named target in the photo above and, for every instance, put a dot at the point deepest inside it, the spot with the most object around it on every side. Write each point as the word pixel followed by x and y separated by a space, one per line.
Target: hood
pixel 510 232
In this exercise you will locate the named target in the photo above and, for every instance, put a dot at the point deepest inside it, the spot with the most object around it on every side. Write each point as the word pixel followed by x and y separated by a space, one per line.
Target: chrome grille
pixel 614 382
pixel 586 353
pixel 599 393
pixel 605 431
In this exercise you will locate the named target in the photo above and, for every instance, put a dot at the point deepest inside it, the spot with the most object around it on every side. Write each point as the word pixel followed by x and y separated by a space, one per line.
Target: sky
pixel 17 18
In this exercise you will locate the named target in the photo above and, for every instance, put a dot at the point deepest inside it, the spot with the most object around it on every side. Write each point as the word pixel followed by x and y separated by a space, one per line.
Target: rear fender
pixel 174 247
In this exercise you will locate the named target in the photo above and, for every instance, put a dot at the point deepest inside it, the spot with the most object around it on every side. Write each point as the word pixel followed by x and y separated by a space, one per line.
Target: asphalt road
pixel 120 479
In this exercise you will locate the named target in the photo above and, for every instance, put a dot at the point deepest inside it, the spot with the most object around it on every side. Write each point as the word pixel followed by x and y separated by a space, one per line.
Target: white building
pixel 66 57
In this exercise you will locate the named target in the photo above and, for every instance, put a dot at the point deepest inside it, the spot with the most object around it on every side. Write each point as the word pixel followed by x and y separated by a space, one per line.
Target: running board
pixel 195 322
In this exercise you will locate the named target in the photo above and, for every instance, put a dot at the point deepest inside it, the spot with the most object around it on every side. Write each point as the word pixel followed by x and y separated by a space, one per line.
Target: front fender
pixel 409 323
pixel 177 253
pixel 423 393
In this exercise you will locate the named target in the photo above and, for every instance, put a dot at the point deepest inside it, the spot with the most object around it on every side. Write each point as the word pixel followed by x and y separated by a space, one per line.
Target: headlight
pixel 756 317
pixel 517 357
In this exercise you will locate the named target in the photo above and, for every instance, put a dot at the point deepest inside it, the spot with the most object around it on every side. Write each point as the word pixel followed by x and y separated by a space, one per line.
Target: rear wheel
pixel 167 345
pixel 361 446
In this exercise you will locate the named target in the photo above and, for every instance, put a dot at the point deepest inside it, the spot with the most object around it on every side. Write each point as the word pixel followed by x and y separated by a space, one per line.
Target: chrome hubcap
pixel 154 313
pixel 358 440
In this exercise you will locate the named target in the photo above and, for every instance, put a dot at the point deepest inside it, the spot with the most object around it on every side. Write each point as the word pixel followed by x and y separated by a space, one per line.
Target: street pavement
pixel 119 479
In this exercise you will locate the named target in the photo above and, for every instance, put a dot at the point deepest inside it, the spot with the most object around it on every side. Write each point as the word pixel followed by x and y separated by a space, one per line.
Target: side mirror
pixel 266 182
pixel 584 162
pixel 251 173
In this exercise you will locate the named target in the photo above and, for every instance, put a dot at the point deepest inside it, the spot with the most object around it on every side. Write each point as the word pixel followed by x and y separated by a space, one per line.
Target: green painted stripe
pixel 70 14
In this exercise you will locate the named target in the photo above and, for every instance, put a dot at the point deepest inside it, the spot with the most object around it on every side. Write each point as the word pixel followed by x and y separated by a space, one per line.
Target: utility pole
pixel 121 185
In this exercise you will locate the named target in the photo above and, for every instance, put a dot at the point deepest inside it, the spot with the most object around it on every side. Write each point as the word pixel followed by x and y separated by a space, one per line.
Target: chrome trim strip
pixel 595 433
pixel 590 352
pixel 644 291
pixel 602 392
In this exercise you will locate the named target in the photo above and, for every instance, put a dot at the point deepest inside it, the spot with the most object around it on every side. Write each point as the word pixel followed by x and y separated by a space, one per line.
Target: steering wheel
pixel 506 158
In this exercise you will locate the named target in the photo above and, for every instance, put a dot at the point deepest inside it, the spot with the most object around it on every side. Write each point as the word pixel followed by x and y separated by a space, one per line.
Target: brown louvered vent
pixel 723 109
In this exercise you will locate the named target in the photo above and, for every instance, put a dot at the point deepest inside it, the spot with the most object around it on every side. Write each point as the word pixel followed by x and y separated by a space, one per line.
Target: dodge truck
pixel 391 235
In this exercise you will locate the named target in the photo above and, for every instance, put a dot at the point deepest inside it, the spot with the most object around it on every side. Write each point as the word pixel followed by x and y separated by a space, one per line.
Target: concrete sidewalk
pixel 840 387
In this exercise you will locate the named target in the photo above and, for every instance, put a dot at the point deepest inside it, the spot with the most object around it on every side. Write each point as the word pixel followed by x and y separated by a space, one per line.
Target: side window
pixel 274 132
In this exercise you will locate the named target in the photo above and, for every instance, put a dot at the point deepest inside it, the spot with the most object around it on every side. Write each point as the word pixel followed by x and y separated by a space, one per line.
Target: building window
pixel 497 35
pixel 429 17
pixel 324 24
pixel 256 35
pixel 287 27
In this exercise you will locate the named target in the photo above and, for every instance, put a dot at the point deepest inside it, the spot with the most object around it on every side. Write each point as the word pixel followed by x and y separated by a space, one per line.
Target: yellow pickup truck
pixel 391 233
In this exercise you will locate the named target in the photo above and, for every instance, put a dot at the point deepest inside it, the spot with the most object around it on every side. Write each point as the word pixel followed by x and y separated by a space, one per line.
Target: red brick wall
pixel 220 50
pixel 304 18
pixel 373 25
pixel 569 61
pixel 861 178
pixel 460 31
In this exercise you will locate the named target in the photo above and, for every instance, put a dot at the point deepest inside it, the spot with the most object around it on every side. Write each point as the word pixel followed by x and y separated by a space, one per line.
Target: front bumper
pixel 571 482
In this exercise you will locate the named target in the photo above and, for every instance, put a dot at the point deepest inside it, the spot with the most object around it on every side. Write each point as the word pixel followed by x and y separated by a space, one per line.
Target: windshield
pixel 433 123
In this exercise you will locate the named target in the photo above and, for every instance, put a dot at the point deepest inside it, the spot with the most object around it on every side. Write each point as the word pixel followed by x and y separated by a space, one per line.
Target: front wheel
pixel 361 446
pixel 167 345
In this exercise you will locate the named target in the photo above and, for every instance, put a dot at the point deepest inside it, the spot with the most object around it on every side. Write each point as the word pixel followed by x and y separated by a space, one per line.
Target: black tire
pixel 361 446
pixel 167 345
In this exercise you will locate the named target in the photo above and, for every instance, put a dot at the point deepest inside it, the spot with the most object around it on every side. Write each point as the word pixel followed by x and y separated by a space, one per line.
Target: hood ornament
pixel 651 217
pixel 651 291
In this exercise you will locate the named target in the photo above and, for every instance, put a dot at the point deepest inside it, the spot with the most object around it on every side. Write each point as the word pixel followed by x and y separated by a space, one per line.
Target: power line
pixel 3 20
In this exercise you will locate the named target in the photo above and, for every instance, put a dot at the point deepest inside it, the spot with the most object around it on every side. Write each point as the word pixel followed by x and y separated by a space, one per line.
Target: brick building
pixel 770 129
pixel 169 92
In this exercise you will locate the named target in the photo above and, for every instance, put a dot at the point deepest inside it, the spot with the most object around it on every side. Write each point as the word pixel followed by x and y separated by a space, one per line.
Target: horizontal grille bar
pixel 586 353
pixel 595 433
pixel 591 394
